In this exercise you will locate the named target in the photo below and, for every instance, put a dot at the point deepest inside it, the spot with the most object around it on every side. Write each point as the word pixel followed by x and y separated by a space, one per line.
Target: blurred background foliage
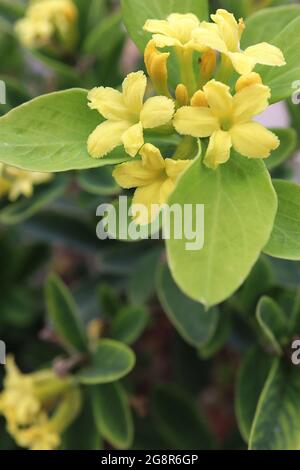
pixel 194 384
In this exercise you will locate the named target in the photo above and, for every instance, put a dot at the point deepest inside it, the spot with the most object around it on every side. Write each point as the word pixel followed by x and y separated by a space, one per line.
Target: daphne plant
pixel 212 79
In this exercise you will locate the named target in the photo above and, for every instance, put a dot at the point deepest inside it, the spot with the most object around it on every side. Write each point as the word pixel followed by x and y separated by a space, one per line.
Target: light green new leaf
pixel 251 380
pixel 137 12
pixel 285 237
pixel 112 414
pixel 110 361
pixel 278 26
pixel 240 206
pixel 196 325
pixel 17 212
pixel 277 417
pixel 288 143
pixel 272 321
pixel 50 134
pixel 64 315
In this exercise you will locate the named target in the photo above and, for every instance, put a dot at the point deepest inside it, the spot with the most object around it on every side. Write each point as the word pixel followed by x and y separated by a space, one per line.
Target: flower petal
pixel 250 101
pixel 208 35
pixel 133 175
pixel 148 196
pixel 253 140
pixel 109 103
pixel 174 168
pixel 242 63
pixel 133 139
pixel 195 121
pixel 165 41
pixel 106 137
pixel 165 191
pixel 266 54
pixel 152 158
pixel 228 27
pixel 134 88
pixel 157 111
pixel 218 150
pixel 219 98
pixel 158 26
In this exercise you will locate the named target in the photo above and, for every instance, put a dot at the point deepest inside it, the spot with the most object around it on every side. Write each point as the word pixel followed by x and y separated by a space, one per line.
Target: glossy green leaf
pixel 17 212
pixel 112 414
pixel 240 206
pixel 288 143
pixel 128 325
pixel 285 237
pixel 272 321
pixel 137 12
pixel 196 325
pixel 64 315
pixel 278 26
pixel 252 377
pixel 50 133
pixel 178 420
pixel 110 361
pixel 90 439
pixel 277 417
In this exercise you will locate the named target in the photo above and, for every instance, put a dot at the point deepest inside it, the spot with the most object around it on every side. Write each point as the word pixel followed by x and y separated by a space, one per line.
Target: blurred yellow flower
pixel 224 36
pixel 177 30
pixel 15 182
pixel 38 407
pixel 154 177
pixel 126 116
pixel 228 120
pixel 47 20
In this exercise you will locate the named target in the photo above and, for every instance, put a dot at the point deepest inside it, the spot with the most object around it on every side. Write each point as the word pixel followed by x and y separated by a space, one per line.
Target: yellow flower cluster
pixel 38 407
pixel 204 105
pixel 48 23
pixel 15 182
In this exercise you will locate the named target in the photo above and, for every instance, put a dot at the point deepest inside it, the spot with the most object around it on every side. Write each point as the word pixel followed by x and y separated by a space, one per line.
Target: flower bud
pixel 182 96
pixel 156 64
pixel 199 99
pixel 208 64
pixel 249 79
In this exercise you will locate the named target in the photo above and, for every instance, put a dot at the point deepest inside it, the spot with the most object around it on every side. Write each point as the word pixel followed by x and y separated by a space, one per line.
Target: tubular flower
pixel 156 64
pixel 46 20
pixel 224 36
pixel 126 116
pixel 228 121
pixel 154 177
pixel 177 30
pixel 15 182
pixel 27 402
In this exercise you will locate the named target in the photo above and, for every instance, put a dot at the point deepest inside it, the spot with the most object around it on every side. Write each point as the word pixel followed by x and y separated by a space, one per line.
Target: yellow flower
pixel 40 436
pixel 38 407
pixel 45 20
pixel 18 402
pixel 15 182
pixel 224 36
pixel 127 116
pixel 228 121
pixel 176 30
pixel 154 177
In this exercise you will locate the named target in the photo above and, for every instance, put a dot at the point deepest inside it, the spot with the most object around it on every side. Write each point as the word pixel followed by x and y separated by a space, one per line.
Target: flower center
pixel 226 124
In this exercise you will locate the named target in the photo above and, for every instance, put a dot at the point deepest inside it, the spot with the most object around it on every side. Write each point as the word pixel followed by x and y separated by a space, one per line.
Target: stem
pixel 226 70
pixel 185 57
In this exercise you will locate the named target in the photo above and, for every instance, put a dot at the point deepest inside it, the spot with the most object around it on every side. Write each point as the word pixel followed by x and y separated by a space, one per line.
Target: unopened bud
pixel 208 64
pixel 199 99
pixel 182 96
pixel 156 65
pixel 241 27
pixel 249 79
